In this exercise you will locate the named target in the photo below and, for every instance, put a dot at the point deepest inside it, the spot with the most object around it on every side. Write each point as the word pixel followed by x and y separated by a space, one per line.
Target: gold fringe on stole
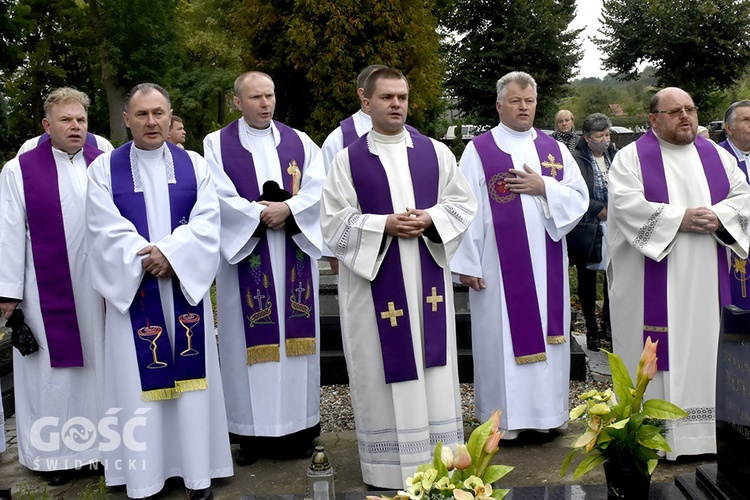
pixel 263 354
pixel 531 358
pixel 160 394
pixel 300 347
pixel 195 384
pixel 649 328
pixel 556 339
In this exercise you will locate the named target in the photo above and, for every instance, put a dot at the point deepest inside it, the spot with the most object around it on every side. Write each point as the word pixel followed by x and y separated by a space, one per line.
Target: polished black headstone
pixel 733 398
pixel 729 479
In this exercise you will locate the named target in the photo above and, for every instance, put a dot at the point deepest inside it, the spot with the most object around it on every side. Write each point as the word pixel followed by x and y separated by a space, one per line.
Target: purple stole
pixel 655 297
pixel 388 291
pixel 163 375
pixel 348 131
pixel 738 272
pixel 90 139
pixel 255 275
pixel 50 253
pixel 509 223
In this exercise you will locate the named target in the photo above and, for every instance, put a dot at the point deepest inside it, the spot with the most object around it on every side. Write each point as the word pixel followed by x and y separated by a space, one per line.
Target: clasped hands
pixel 275 213
pixel 409 224
pixel 700 220
pixel 156 263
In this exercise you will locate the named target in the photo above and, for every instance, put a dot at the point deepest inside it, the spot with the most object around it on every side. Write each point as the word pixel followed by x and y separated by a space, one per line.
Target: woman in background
pixel 565 130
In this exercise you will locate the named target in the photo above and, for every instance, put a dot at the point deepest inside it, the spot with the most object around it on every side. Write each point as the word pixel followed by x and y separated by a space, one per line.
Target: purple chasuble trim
pixel 164 374
pixel 50 253
pixel 388 291
pixel 655 279
pixel 524 317
pixel 348 131
pixel 255 275
pixel 738 275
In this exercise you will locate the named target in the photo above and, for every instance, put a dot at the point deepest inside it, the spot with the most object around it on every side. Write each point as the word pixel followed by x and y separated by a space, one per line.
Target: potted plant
pixel 622 431
pixel 463 475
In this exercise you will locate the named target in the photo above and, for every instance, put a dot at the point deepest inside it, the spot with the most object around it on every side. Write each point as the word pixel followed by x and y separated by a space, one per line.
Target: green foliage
pixel 314 49
pixel 700 47
pixel 25 492
pixel 48 49
pixel 97 491
pixel 143 47
pixel 621 428
pixel 488 39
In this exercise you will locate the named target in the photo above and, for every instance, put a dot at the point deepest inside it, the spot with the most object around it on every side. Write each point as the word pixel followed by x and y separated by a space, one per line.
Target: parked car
pixel 715 126
pixel 468 132
pixel 614 129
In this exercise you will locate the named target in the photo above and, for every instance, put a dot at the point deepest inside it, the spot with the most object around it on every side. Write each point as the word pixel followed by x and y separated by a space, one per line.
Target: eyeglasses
pixel 690 110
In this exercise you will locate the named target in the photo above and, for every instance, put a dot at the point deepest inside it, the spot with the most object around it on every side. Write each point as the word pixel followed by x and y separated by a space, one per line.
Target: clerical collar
pixel 737 150
pixel 150 154
pixel 376 137
pixel 257 132
pixel 64 154
pixel 531 133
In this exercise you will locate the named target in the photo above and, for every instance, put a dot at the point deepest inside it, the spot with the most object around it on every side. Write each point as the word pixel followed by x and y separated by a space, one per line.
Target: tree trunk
pixel 112 87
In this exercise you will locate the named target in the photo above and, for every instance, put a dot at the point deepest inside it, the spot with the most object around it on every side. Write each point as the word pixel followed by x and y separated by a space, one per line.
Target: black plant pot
pixel 625 482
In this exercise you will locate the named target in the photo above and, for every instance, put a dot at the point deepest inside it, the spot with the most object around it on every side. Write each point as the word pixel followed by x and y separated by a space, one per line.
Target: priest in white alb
pixel 152 219
pixel 676 202
pixel 514 260
pixel 44 276
pixel 269 184
pixel 394 209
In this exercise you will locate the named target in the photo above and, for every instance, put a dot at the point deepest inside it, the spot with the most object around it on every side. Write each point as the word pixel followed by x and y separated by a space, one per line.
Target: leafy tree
pixel 700 47
pixel 136 42
pixel 49 47
pixel 210 61
pixel 487 39
pixel 314 50
pixel 11 34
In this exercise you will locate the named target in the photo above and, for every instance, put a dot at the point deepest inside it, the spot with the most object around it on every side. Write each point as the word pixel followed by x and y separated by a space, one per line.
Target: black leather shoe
pixel 204 494
pixel 58 477
pixel 246 456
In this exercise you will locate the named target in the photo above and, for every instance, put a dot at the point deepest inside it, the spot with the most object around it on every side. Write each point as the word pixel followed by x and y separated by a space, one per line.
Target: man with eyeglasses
pixel 676 201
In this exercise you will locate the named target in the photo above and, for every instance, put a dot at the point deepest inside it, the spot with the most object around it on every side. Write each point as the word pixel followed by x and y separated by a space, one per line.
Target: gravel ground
pixel 336 410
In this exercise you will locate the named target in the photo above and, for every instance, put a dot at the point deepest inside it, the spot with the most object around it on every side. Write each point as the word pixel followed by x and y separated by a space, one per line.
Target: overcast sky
pixel 588 13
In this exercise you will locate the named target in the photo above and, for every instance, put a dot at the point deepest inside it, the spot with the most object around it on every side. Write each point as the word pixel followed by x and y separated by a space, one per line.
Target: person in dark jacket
pixel 594 153
pixel 565 129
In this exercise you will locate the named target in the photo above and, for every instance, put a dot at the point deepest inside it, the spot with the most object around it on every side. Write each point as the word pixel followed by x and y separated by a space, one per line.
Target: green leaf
pixel 499 494
pixel 495 472
pixel 477 440
pixel 623 384
pixel 588 464
pixel 442 470
pixel 577 411
pixel 652 440
pixel 566 462
pixel 619 424
pixel 658 408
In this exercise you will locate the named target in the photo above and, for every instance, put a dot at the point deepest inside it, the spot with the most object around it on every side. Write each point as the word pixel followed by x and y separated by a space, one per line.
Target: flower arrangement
pixel 621 427
pixel 463 475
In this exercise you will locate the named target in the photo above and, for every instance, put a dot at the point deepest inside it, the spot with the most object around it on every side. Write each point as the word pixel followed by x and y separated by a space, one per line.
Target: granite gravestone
pixel 729 478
